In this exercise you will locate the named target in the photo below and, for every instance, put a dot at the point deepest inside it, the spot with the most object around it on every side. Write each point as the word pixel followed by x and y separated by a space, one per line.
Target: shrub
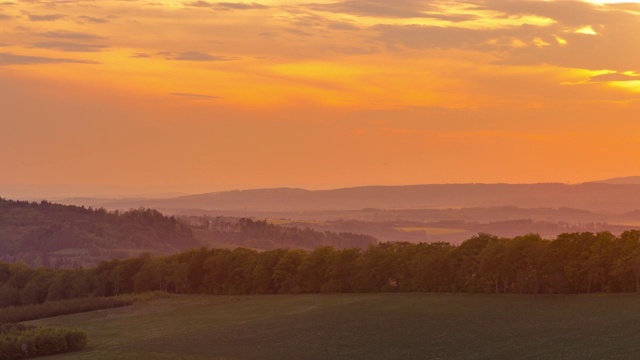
pixel 22 342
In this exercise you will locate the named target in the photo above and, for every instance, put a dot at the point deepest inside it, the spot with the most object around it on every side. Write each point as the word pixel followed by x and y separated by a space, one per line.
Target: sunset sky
pixel 128 97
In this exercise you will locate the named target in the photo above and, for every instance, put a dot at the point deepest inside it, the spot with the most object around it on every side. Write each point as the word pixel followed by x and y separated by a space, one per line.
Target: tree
pixel 315 270
pixel 285 275
pixel 466 259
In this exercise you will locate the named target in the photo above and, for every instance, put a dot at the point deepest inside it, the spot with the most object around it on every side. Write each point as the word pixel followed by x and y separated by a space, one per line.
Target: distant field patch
pixel 629 223
pixel 298 223
pixel 279 221
pixel 432 230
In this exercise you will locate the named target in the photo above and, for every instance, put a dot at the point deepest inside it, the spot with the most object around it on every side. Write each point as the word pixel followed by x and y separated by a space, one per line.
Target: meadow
pixel 362 326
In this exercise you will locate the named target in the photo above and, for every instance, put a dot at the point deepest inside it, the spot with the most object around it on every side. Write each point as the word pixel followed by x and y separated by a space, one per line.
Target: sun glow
pixel 587 30
pixel 632 85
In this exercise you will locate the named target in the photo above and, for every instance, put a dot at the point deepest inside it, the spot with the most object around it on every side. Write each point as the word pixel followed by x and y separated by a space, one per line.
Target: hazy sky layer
pixel 134 97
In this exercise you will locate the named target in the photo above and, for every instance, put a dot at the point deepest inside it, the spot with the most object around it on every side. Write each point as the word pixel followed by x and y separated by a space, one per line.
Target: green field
pixel 363 326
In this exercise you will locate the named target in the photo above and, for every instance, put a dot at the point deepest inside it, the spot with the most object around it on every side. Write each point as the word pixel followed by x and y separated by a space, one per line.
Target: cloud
pixel 4 17
pixel 70 35
pixel 572 13
pixel 377 8
pixel 604 51
pixel 353 50
pixel 341 25
pixel 299 32
pixel 51 17
pixel 193 56
pixel 68 46
pixel 140 55
pixel 424 37
pixel 12 59
pixel 90 19
pixel 227 5
pixel 527 32
pixel 199 4
pixel 196 96
pixel 625 6
pixel 614 77
pixel 240 6
pixel 402 9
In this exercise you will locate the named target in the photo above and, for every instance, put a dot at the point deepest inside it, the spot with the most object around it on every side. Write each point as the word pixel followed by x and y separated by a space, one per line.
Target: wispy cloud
pixel 196 96
pixel 199 3
pixel 227 5
pixel 50 17
pixel 12 59
pixel 193 56
pixel 614 77
pixel 90 19
pixel 378 8
pixel 240 6
pixel 571 13
pixel 4 17
pixel 68 46
pixel 70 35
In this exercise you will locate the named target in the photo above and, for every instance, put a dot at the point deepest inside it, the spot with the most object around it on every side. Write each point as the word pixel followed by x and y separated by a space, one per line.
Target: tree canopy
pixel 527 264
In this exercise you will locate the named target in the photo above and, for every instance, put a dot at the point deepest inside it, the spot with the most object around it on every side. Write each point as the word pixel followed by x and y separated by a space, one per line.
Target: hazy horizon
pixel 47 192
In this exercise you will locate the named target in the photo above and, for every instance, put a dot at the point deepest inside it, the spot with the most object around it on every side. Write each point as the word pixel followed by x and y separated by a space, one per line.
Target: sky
pixel 130 97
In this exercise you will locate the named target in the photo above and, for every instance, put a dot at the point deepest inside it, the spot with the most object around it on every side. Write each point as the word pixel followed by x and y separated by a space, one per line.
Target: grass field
pixel 363 326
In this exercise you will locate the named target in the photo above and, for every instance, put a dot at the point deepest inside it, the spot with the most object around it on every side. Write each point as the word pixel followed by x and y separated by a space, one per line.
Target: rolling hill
pixel 55 235
pixel 46 234
pixel 626 180
pixel 595 197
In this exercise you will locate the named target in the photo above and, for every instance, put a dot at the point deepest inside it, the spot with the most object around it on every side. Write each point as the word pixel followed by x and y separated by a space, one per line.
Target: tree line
pixel 528 264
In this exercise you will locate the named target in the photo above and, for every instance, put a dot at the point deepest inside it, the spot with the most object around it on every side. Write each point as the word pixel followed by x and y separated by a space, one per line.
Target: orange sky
pixel 133 97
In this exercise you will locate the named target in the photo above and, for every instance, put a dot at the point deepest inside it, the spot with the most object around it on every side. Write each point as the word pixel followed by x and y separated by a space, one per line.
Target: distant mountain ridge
pixel 593 196
pixel 627 180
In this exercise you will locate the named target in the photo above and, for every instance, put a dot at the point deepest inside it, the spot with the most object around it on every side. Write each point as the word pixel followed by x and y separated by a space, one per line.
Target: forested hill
pixel 261 235
pixel 67 236
pixel 46 234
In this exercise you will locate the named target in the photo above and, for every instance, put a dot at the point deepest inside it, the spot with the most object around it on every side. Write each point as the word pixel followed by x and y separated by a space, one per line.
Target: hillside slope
pixel 66 236
pixel 627 180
